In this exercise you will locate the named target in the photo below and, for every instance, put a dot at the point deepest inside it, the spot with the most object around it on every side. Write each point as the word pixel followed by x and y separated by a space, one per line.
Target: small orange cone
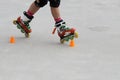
pixel 72 43
pixel 12 39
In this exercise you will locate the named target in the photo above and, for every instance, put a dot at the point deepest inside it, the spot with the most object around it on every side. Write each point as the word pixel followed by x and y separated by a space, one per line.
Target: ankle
pixel 29 13
pixel 26 17
pixel 58 19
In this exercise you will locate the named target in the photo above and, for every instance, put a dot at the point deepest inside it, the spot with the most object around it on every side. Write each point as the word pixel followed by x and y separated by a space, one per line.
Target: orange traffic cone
pixel 12 39
pixel 72 43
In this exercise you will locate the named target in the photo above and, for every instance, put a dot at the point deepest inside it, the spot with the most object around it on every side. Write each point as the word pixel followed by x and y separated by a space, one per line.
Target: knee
pixel 40 3
pixel 55 3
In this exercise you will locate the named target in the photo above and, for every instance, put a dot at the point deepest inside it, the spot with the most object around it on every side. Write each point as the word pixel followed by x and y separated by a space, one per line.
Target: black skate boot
pixel 65 33
pixel 24 25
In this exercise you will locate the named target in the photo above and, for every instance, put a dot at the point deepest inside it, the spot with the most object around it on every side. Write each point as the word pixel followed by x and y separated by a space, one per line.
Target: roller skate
pixel 23 25
pixel 65 33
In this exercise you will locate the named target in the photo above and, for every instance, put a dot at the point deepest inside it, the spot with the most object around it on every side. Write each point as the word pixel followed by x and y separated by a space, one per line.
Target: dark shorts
pixel 53 3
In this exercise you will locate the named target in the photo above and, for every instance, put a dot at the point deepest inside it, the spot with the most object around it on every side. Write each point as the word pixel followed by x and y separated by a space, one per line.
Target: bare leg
pixel 33 8
pixel 30 12
pixel 55 12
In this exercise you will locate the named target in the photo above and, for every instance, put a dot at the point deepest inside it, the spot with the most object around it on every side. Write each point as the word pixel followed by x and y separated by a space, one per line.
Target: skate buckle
pixel 53 32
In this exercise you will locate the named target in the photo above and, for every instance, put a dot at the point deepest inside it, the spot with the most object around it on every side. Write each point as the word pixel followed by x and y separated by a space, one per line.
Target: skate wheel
pixel 27 35
pixel 18 26
pixel 22 31
pixel 62 41
pixel 28 27
pixel 14 22
pixel 76 35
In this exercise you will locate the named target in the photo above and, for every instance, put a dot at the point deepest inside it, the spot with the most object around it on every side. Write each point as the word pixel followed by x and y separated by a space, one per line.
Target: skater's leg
pixel 62 29
pixel 24 20
pixel 33 9
pixel 54 4
pixel 55 13
pixel 27 16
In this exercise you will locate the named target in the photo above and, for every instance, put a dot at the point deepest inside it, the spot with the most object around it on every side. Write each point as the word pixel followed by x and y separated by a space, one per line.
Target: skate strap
pixel 53 32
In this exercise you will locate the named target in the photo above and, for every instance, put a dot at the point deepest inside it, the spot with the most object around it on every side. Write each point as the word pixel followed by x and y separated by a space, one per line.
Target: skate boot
pixel 24 25
pixel 65 33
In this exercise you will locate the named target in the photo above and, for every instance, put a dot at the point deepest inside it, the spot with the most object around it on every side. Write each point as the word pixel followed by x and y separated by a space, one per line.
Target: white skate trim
pixel 24 18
